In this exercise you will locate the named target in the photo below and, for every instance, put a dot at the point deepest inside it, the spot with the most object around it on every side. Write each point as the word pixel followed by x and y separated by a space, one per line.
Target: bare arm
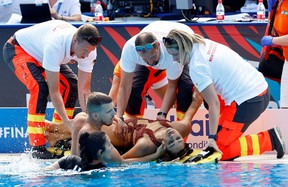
pixel 169 97
pixel 75 17
pixel 57 100
pixel 159 152
pixel 116 157
pixel 210 96
pixel 84 88
pixel 281 40
pixel 55 132
pixel 124 92
pixel 53 166
pixel 114 89
pixel 143 147
pixel 78 122
pixel 184 126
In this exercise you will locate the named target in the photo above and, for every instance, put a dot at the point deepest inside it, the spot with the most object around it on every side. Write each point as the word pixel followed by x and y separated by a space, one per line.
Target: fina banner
pixel 13 129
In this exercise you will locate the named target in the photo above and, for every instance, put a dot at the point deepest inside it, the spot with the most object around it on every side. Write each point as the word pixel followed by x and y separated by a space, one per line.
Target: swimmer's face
pixel 106 114
pixel 174 141
pixel 108 149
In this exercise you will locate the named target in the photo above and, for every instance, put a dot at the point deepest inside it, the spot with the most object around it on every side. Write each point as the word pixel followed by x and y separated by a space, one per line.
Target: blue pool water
pixel 27 172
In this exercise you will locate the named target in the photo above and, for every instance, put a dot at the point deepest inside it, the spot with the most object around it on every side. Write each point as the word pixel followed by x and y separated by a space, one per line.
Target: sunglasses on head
pixel 168 41
pixel 147 47
pixel 93 40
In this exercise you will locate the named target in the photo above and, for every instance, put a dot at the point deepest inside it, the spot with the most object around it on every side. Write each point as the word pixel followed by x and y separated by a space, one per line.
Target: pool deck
pixel 261 159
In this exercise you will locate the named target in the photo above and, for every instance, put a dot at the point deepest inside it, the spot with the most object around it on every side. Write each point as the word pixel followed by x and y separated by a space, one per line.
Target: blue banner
pixel 13 129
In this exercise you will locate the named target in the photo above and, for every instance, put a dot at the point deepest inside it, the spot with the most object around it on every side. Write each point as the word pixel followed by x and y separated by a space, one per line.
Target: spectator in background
pixel 67 10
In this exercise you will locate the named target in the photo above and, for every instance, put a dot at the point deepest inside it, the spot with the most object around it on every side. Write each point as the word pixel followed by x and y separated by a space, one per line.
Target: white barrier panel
pixel 200 124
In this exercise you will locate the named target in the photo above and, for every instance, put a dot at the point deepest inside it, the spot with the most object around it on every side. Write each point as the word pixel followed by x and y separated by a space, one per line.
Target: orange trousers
pixel 32 75
pixel 143 80
pixel 234 121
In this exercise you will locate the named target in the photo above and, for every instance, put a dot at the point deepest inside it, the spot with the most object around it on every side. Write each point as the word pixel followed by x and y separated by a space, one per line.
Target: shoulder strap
pixel 272 16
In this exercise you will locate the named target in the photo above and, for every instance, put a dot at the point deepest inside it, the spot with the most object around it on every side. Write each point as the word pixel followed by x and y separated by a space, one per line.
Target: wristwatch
pixel 162 113
pixel 122 119
pixel 212 136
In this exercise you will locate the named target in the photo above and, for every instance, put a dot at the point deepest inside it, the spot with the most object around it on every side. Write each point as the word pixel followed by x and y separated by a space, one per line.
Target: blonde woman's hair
pixel 183 41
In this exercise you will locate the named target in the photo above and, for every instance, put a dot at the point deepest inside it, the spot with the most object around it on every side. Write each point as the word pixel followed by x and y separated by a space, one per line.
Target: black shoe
pixel 277 141
pixel 40 152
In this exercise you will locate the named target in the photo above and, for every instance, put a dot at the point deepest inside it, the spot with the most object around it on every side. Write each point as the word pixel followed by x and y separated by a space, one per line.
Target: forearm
pixel 210 96
pixel 53 166
pixel 114 89
pixel 168 100
pixel 76 17
pixel 84 88
pixel 122 99
pixel 193 108
pixel 146 158
pixel 281 40
pixel 58 104
pixel 82 96
pixel 214 112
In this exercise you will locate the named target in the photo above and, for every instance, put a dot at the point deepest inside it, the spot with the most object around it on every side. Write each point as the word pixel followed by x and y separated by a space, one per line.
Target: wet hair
pixel 185 42
pixel 145 38
pixel 181 154
pixel 90 144
pixel 95 100
pixel 89 33
pixel 187 150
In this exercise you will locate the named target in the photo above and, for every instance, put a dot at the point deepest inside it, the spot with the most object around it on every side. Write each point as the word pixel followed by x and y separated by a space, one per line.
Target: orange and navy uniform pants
pixel 143 80
pixel 32 75
pixel 234 121
pixel 145 77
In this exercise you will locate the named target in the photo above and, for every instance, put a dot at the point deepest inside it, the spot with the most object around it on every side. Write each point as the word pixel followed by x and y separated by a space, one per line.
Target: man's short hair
pixel 144 38
pixel 96 99
pixel 89 33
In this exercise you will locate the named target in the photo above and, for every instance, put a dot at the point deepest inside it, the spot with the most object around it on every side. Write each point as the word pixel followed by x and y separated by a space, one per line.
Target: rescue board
pixel 199 157
pixel 58 152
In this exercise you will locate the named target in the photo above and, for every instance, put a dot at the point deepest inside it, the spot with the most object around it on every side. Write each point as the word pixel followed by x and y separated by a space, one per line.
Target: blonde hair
pixel 185 42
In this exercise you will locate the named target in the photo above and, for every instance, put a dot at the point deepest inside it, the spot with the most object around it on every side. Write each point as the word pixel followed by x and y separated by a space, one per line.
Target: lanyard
pixel 58 7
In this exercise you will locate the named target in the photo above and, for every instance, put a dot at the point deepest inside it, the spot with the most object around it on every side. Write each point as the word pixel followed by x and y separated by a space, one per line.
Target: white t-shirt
pixel 65 7
pixel 50 43
pixel 234 78
pixel 130 57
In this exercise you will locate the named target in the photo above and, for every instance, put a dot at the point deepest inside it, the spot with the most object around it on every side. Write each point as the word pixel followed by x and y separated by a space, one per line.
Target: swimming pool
pixel 26 172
